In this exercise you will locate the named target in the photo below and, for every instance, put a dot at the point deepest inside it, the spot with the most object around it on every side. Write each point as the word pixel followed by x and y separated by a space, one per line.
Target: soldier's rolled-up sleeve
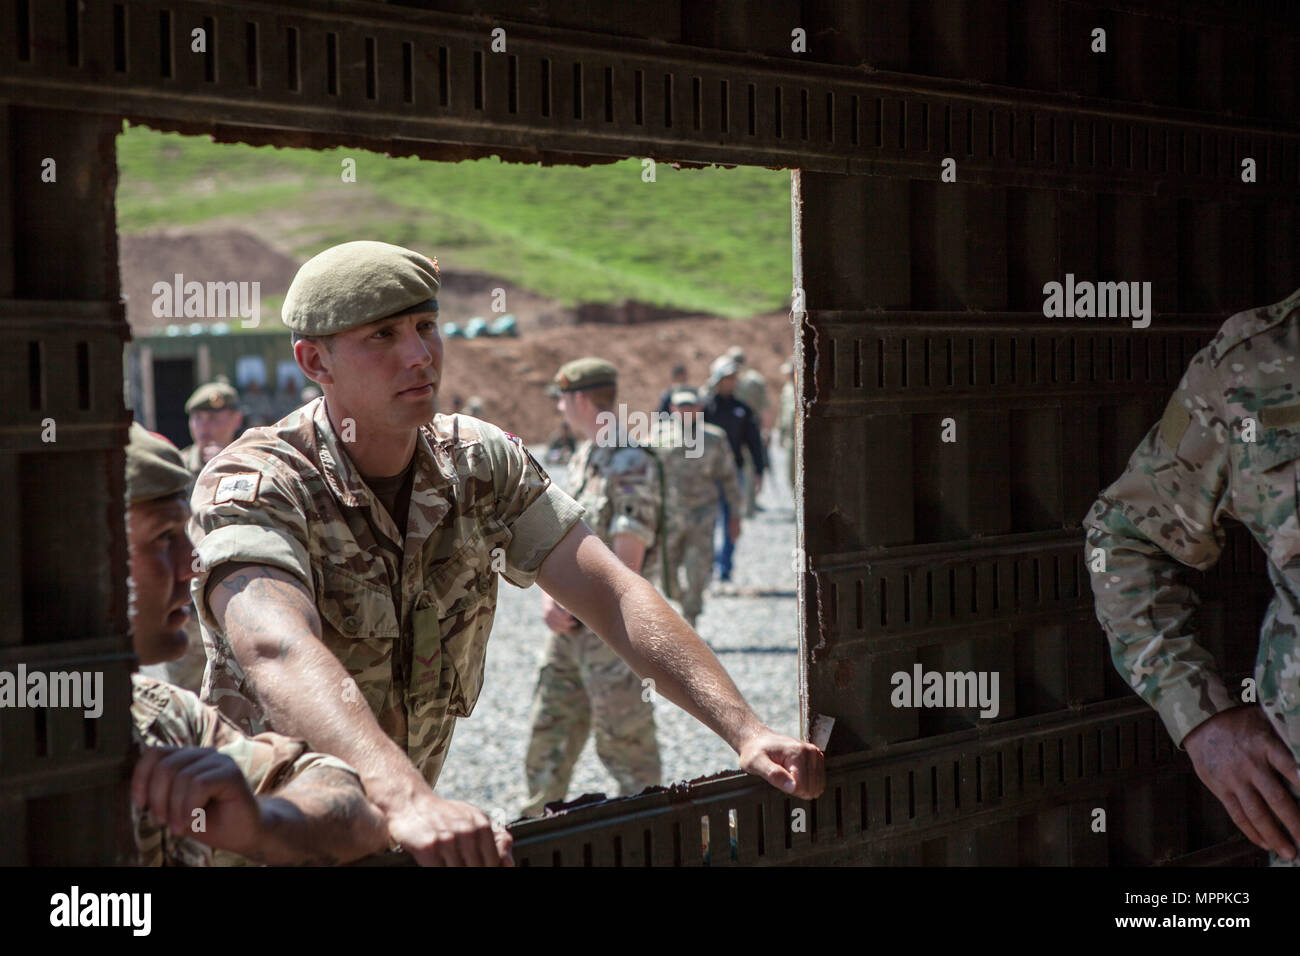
pixel 265 524
pixel 1165 512
pixel 537 514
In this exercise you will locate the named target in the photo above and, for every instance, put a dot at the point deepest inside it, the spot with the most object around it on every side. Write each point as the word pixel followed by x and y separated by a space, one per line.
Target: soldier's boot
pixel 561 720
pixel 623 714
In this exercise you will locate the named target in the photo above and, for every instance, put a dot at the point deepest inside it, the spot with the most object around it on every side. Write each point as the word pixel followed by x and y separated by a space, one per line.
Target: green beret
pixel 585 373
pixel 358 282
pixel 153 467
pixel 684 396
pixel 212 397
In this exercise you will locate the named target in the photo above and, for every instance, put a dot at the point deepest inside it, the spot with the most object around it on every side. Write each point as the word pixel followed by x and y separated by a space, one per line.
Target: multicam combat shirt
pixel 692 483
pixel 407 618
pixel 1193 470
pixel 163 715
pixel 618 486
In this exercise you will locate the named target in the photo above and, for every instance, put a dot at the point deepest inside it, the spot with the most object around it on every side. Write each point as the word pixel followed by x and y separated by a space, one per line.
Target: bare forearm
pixel 319 822
pixel 593 584
pixel 310 695
pixel 303 689
pixel 658 644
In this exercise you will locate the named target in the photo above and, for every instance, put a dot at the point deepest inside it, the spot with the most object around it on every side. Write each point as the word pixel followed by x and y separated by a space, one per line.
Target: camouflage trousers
pixel 583 682
pixel 748 483
pixel 690 548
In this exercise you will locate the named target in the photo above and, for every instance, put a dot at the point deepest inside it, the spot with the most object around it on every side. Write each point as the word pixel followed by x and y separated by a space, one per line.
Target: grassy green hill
pixel 712 240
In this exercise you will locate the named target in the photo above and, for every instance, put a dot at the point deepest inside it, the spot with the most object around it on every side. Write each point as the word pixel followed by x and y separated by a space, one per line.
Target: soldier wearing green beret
pixel 351 553
pixel 194 764
pixel 583 682
pixel 215 420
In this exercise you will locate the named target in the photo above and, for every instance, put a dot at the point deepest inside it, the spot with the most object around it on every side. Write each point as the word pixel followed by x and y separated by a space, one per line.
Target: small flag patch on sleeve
pixel 238 487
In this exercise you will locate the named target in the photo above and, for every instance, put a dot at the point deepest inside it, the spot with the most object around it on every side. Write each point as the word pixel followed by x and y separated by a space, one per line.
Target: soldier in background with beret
pixel 583 681
pixel 695 485
pixel 350 555
pixel 215 420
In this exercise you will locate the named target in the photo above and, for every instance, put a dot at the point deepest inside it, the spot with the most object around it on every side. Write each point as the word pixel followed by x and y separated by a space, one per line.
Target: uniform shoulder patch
pixel 1279 416
pixel 242 486
pixel 1174 423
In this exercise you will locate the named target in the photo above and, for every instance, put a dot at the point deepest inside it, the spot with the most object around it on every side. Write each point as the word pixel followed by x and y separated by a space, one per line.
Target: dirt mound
pixel 511 375
pixel 227 255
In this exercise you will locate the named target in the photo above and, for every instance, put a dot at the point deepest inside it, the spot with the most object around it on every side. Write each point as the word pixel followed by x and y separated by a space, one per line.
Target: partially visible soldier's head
pixel 215 418
pixel 737 355
pixel 162 560
pixel 679 374
pixel 722 375
pixel 365 322
pixel 787 369
pixel 684 400
pixel 587 387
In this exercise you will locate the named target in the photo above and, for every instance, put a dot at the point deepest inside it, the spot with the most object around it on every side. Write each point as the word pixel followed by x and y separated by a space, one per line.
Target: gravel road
pixel 753 634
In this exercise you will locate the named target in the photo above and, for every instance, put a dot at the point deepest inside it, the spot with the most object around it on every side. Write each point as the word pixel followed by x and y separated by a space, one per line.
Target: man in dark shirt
pixel 677 380
pixel 741 425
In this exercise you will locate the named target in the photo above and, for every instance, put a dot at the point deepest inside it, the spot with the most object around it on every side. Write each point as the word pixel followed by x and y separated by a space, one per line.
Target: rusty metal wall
pixel 62 426
pixel 922 303
pixel 967 555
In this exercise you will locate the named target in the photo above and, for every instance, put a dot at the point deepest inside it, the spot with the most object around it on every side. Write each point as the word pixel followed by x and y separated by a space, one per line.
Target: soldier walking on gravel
pixel 583 681
pixel 699 470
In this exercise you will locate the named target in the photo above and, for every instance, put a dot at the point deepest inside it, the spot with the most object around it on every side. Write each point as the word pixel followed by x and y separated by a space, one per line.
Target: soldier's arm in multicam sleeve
pixel 1165 511
pixel 633 485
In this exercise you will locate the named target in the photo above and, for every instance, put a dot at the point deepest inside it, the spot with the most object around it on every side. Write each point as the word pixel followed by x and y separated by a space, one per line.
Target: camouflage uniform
pixel 166 716
pixel 692 508
pixel 751 388
pixel 582 677
pixel 785 427
pixel 408 618
pixel 1193 470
